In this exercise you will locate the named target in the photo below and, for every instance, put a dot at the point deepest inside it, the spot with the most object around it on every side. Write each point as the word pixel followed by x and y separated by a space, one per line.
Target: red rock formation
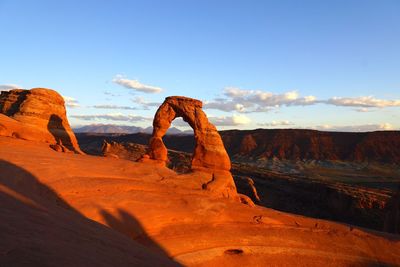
pixel 248 144
pixel 294 144
pixel 37 114
pixel 209 153
pixel 128 151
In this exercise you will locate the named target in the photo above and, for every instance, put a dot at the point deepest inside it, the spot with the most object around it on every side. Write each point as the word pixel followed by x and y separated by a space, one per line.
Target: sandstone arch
pixel 209 159
pixel 209 153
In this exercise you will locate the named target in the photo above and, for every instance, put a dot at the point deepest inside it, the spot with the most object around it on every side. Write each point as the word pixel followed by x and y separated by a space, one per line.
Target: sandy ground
pixel 60 209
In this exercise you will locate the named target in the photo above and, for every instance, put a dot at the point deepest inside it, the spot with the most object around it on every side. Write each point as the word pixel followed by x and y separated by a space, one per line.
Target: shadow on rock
pixel 57 129
pixel 15 107
pixel 39 228
pixel 128 225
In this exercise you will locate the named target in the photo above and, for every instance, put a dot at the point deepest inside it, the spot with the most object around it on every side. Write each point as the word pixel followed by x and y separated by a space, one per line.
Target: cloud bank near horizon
pixel 112 117
pixel 107 106
pixel 355 128
pixel 235 120
pixel 250 101
pixel 276 123
pixel 71 102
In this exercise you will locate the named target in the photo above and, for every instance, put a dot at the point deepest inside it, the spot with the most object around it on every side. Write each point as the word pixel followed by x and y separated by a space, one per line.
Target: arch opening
pixel 180 145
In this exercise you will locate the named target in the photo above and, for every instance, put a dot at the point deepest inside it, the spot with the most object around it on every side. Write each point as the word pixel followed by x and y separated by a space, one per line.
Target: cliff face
pixel 293 144
pixel 290 144
pixel 38 114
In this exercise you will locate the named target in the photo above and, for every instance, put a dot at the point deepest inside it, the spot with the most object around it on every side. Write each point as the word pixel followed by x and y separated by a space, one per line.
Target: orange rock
pixel 37 114
pixel 59 209
pixel 209 153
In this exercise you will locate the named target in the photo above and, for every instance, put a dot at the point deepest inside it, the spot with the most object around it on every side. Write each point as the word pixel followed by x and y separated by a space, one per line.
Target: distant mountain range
pixel 124 129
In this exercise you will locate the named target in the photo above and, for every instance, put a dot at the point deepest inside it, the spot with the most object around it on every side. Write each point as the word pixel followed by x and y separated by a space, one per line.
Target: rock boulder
pixel 38 114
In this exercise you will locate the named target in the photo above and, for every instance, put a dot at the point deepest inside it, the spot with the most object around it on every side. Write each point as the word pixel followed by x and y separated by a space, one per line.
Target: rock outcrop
pixel 38 114
pixel 129 151
pixel 209 154
pixel 301 144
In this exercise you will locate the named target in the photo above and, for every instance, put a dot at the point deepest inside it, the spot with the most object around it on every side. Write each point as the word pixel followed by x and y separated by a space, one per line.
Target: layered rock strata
pixel 38 114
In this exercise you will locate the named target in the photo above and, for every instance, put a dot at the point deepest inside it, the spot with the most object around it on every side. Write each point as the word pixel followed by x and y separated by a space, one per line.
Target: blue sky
pixel 331 65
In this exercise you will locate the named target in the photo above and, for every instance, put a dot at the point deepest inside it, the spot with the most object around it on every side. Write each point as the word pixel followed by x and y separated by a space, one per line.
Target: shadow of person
pixel 23 186
pixel 128 225
pixel 39 228
pixel 60 134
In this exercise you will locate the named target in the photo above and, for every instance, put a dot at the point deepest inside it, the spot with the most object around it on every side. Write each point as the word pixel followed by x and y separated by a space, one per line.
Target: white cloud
pixel 71 102
pixel 234 120
pixel 144 103
pixel 364 109
pixel 386 126
pixel 8 87
pixel 247 101
pixel 224 106
pixel 262 98
pixel 136 85
pixel 240 119
pixel 276 123
pixel 356 128
pixel 112 117
pixel 105 106
pixel 362 101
